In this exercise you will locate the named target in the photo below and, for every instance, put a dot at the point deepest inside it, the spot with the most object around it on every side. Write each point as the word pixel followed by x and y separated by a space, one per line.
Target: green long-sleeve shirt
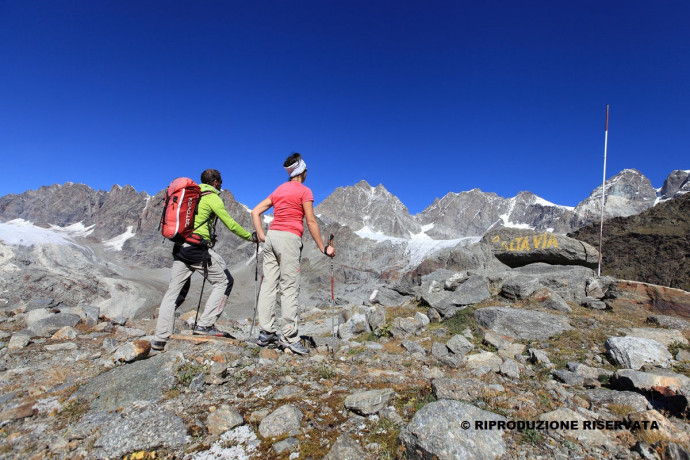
pixel 212 204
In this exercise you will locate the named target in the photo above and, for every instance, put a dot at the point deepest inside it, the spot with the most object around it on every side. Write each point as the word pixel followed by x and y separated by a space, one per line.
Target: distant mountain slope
pixel 653 247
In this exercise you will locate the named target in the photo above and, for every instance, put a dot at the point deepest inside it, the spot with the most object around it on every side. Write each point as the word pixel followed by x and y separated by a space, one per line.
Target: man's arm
pixel 219 210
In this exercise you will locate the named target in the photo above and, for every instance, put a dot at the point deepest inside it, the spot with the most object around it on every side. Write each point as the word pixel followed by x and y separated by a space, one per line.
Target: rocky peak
pixel 627 193
pixel 677 183
pixel 362 205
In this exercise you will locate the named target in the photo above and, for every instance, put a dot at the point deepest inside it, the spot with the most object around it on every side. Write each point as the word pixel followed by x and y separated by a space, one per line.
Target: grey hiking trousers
pixel 218 276
pixel 282 256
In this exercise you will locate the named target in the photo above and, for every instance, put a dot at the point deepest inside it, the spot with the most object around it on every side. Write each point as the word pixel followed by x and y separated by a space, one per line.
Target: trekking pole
pixel 201 294
pixel 256 289
pixel 333 332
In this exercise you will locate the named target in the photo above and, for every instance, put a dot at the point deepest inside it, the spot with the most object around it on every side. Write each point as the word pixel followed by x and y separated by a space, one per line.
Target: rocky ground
pixel 524 370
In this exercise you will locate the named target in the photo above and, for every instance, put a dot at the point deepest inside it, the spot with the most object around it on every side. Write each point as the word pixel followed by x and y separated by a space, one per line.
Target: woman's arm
pixel 313 227
pixel 260 208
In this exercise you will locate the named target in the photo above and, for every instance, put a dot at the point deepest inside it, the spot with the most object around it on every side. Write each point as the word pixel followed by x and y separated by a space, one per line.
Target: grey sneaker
pixel 158 345
pixel 296 347
pixel 267 338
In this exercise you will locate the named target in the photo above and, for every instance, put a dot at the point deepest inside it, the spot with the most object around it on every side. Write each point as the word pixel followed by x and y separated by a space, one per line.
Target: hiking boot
pixel 266 338
pixel 212 331
pixel 158 345
pixel 296 347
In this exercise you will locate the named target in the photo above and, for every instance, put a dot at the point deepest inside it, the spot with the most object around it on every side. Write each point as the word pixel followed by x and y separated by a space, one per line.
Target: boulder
pixel 519 247
pixel 50 325
pixel 521 324
pixel 369 402
pixel 472 290
pixel 643 381
pixel 520 287
pixel 285 420
pixel 345 448
pixel 459 345
pixel 223 419
pixel 635 352
pixel 446 430
pixel 669 322
pixel 548 299
pixel 405 327
pixel 604 397
pixel 568 281
pixel 665 337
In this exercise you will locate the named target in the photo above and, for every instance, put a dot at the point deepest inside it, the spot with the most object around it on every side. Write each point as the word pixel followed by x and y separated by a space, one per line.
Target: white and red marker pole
pixel 603 189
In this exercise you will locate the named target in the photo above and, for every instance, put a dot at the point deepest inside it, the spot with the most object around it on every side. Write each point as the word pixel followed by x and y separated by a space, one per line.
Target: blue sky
pixel 424 97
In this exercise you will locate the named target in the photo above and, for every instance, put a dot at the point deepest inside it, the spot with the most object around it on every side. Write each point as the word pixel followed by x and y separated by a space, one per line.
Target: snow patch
pixel 20 232
pixel 115 244
pixel 240 443
pixel 507 223
pixel 419 246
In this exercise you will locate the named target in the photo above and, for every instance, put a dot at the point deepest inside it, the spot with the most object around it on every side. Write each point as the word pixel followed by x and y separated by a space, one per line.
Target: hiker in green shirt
pixel 196 253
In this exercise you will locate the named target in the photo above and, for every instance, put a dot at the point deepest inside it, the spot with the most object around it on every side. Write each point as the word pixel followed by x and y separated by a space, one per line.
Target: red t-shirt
pixel 288 213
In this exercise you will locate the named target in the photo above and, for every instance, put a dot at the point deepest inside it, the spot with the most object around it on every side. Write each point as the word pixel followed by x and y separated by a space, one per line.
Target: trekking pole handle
pixel 330 243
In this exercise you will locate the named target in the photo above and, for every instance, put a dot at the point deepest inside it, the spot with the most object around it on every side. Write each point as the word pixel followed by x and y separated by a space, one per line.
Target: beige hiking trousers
pixel 220 280
pixel 282 256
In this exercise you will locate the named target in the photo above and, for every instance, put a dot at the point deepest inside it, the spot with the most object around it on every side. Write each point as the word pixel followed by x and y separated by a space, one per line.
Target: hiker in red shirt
pixel 292 202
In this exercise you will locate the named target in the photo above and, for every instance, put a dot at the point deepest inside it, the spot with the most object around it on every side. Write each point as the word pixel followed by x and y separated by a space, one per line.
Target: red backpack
pixel 179 210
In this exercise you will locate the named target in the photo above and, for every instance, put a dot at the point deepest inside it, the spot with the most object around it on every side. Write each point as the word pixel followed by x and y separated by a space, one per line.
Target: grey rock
pixel 520 287
pixel 134 430
pixel 345 448
pixel 422 318
pixel 568 281
pixel 65 346
pixel 287 392
pixel 439 350
pixel 517 248
pixel 669 322
pixel 683 356
pixel 92 313
pixel 66 333
pixel 223 419
pixel 132 351
pixel 405 327
pixel 467 389
pixel 110 344
pixel 568 377
pixel 629 379
pixel 413 347
pixel 355 325
pixel 433 315
pixel 510 368
pixel 436 430
pixel 495 340
pixel 376 318
pixel 538 356
pixel 50 325
pixel 39 303
pixel 144 380
pixel 587 437
pixel 285 420
pixel 665 337
pixel 369 402
pixel 197 382
pixel 286 445
pixel 491 362
pixel 594 304
pixel 604 397
pixel 634 352
pixel 18 341
pixel 521 324
pixel 459 345
pixel 546 298
pixel 452 360
pixel 474 290
pixel 587 371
